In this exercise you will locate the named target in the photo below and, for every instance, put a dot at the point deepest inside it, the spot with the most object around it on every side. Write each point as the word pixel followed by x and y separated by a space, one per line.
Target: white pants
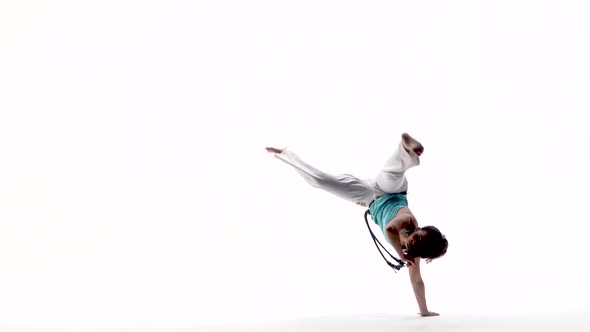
pixel 390 179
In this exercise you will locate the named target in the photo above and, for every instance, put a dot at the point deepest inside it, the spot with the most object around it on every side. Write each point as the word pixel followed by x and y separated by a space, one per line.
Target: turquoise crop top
pixel 386 207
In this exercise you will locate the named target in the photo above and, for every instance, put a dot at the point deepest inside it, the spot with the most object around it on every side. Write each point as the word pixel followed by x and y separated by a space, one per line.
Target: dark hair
pixel 432 245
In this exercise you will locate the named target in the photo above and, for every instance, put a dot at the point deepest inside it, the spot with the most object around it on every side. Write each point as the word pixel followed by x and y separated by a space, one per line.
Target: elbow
pixel 416 279
pixel 417 282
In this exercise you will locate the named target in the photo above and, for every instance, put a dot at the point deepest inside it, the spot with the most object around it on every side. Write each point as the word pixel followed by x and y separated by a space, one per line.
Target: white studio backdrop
pixel 135 190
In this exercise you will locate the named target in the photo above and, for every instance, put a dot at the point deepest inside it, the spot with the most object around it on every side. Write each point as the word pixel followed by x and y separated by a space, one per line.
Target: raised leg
pixel 344 186
pixel 391 178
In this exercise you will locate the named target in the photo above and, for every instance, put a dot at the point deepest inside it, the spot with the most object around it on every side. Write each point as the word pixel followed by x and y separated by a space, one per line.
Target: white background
pixel 135 190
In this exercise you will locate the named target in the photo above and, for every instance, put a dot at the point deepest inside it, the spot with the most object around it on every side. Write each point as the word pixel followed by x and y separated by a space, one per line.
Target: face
pixel 416 237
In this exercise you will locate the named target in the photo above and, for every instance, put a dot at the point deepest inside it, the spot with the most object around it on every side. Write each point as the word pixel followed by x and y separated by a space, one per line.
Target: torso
pixel 385 208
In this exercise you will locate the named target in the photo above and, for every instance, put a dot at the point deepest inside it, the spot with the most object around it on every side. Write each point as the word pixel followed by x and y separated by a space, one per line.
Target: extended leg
pixel 391 178
pixel 344 186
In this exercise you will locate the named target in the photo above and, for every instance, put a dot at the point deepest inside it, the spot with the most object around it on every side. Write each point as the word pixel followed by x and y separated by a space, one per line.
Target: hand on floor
pixel 274 150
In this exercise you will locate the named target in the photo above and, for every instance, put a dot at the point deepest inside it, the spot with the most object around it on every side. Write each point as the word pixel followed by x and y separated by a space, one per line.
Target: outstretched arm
pixel 419 289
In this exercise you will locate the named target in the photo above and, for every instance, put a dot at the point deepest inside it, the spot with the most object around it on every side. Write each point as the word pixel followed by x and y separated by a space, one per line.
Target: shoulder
pixel 400 222
pixel 407 219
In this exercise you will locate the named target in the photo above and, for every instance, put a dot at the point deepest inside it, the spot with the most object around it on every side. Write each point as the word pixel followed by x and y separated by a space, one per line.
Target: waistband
pixel 405 193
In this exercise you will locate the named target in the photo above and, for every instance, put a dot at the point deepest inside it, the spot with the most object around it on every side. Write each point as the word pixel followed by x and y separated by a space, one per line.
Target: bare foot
pixel 411 145
pixel 274 150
